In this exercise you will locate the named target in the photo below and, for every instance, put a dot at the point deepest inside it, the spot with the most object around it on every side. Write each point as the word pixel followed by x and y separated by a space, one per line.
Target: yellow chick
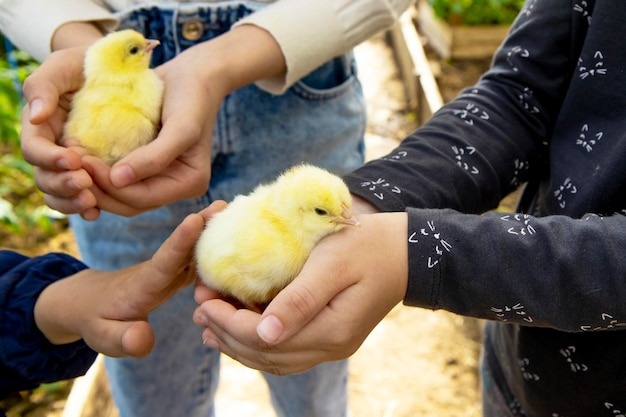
pixel 259 243
pixel 118 109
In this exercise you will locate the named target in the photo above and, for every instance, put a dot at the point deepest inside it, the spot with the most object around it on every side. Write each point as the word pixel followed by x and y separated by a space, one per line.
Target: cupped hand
pixel 174 166
pixel 59 173
pixel 177 164
pixel 351 280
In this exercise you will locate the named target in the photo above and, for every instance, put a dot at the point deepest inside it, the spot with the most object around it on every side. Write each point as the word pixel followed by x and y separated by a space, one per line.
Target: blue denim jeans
pixel 497 400
pixel 493 402
pixel 320 120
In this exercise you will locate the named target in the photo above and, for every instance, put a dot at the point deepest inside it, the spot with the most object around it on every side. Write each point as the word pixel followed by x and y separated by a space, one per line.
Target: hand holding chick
pixel 118 109
pixel 259 243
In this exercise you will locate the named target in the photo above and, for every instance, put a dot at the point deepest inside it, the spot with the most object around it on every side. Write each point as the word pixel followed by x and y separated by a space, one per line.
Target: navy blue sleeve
pixel 27 359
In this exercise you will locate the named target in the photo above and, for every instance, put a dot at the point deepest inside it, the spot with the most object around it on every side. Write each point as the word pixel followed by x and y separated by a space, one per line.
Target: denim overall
pixel 320 120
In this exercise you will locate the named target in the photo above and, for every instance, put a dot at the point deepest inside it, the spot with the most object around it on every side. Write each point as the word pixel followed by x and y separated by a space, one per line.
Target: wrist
pixel 362 206
pixel 239 57
pixel 52 316
pixel 74 34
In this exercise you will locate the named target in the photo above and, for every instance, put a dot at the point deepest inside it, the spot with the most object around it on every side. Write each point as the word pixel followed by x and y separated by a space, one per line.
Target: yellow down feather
pixel 118 108
pixel 259 243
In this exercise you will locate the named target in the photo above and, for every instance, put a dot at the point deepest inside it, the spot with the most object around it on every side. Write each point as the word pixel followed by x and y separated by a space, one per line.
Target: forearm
pixel 239 57
pixel 317 31
pixel 55 311
pixel 518 268
pixel 362 206
pixel 32 24
pixel 481 146
pixel 74 34
pixel 26 355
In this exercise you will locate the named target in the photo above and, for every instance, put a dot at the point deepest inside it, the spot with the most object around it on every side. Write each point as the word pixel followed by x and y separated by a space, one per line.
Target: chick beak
pixel 347 217
pixel 151 44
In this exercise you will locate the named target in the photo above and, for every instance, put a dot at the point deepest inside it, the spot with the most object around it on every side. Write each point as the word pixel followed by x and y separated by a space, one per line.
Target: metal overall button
pixel 193 30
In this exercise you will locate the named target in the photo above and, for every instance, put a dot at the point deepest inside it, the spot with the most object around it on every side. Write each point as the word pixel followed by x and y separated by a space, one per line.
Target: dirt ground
pixel 416 362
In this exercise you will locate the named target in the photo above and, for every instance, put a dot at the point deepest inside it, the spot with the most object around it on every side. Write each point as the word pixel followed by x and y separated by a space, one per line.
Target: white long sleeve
pixel 312 32
pixel 30 24
pixel 309 32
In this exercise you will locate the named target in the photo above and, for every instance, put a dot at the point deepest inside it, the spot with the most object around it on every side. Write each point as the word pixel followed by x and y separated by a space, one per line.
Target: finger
pixel 203 293
pixel 62 184
pixel 180 181
pixel 39 148
pixel 152 158
pixel 232 331
pixel 82 203
pixel 213 208
pixel 179 133
pixel 138 339
pixel 184 237
pixel 110 204
pixel 90 214
pixel 301 300
pixel 60 73
pixel 176 253
pixel 106 195
pixel 121 338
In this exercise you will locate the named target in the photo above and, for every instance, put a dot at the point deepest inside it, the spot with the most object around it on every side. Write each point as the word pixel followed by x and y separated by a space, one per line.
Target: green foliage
pixel 22 209
pixel 477 12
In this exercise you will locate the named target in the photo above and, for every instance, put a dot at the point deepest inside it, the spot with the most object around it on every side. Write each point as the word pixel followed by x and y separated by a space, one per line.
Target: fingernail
pixel 201 320
pixel 270 329
pixel 72 185
pixel 122 176
pixel 62 163
pixel 36 106
pixel 208 342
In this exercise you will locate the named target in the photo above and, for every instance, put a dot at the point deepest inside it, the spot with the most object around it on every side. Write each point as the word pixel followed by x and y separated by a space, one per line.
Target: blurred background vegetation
pixel 477 12
pixel 25 220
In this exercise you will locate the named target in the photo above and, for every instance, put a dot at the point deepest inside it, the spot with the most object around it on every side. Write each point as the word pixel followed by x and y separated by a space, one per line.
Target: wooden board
pixel 459 42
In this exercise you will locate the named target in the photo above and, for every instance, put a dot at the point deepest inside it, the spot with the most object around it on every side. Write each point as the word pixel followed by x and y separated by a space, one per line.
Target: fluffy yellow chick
pixel 118 109
pixel 259 243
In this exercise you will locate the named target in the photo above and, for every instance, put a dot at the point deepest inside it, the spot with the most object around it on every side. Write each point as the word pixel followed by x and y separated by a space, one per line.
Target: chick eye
pixel 134 50
pixel 321 212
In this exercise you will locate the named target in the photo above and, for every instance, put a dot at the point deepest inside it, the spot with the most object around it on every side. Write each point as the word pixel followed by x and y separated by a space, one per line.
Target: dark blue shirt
pixel 550 114
pixel 27 359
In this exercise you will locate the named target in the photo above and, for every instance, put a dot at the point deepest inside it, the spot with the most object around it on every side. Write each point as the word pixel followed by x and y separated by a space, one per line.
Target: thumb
pixel 58 75
pixel 137 339
pixel 123 338
pixel 175 138
pixel 299 302
pixel 44 101
pixel 170 267
pixel 173 259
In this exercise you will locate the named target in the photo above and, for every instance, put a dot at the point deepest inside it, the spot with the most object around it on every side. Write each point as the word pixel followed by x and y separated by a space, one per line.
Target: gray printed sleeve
pixel 549 272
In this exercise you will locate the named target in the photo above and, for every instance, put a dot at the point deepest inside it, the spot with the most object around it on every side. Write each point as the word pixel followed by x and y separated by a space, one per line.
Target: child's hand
pixel 351 280
pixel 58 168
pixel 174 166
pixel 177 163
pixel 109 310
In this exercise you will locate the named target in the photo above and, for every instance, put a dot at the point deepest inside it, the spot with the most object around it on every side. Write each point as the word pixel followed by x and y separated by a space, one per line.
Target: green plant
pixel 477 12
pixel 22 208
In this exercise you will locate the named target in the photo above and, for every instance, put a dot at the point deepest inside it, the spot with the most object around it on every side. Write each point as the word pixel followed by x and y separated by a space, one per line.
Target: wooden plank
pixel 420 84
pixel 405 65
pixel 431 99
pixel 459 42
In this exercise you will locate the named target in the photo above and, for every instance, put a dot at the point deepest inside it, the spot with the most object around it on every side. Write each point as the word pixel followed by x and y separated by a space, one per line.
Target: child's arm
pixel 49 303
